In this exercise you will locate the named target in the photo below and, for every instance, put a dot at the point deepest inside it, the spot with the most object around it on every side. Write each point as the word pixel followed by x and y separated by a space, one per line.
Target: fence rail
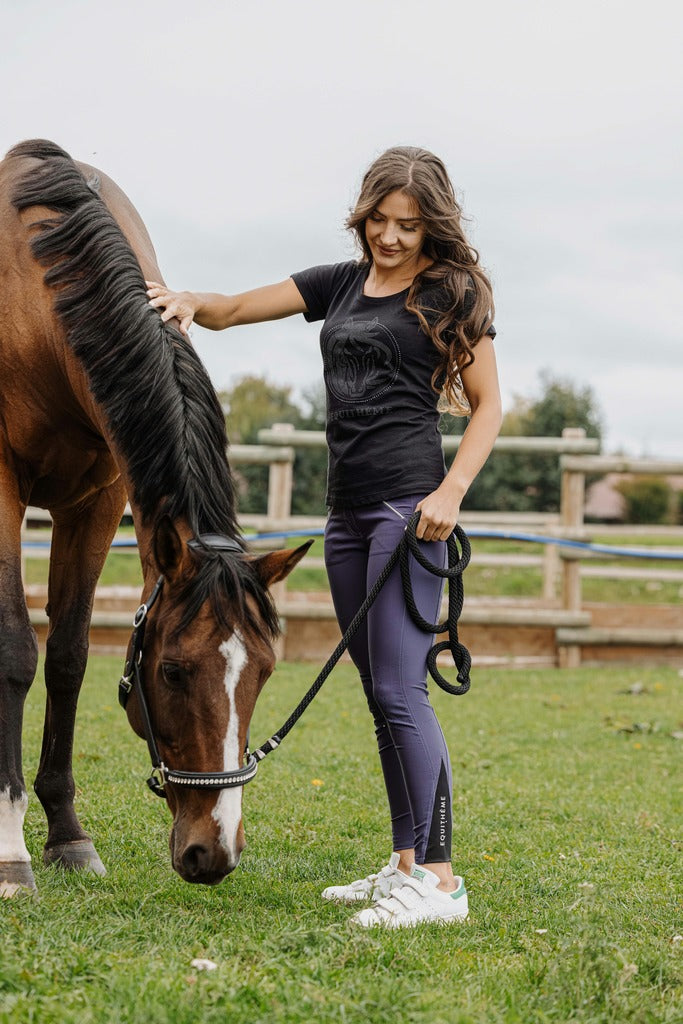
pixel 285 434
pixel 601 464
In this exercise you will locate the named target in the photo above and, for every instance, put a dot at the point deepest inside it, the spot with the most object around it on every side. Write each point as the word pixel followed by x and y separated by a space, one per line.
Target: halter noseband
pixel 133 678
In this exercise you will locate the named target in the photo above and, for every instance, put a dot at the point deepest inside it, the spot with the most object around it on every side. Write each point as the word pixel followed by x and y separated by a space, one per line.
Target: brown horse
pixel 100 400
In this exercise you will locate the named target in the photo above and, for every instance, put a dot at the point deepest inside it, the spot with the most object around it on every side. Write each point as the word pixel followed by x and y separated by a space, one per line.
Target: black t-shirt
pixel 382 423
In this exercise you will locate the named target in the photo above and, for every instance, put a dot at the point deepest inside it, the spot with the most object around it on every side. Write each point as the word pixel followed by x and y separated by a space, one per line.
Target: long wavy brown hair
pixel 452 298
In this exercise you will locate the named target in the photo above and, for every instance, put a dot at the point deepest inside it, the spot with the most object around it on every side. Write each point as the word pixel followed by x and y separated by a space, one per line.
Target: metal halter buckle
pixel 140 616
pixel 157 780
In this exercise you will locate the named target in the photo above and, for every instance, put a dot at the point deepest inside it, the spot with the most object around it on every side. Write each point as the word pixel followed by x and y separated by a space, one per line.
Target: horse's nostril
pixel 195 860
pixel 204 865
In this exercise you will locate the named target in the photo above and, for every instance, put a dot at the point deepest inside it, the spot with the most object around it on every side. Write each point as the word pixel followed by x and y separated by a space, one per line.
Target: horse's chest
pixel 72 482
pixel 57 469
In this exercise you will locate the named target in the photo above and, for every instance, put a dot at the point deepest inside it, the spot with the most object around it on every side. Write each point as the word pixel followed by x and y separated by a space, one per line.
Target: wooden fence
pixel 558 628
pixel 573 640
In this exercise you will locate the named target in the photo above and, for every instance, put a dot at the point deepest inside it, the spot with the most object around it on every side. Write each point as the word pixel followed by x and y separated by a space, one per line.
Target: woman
pixel 409 322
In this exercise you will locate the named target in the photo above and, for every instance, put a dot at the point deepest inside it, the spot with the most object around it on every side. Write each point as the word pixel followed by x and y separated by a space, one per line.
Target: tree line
pixel 516 482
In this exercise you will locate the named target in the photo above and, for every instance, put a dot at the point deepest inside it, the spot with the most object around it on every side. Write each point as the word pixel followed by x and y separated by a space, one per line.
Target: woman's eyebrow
pixel 403 220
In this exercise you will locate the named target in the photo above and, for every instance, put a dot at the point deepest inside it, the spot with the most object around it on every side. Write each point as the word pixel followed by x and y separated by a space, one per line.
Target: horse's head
pixel 207 653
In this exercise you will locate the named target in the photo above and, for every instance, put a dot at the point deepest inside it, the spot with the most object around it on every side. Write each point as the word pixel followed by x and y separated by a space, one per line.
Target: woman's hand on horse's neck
pixel 217 312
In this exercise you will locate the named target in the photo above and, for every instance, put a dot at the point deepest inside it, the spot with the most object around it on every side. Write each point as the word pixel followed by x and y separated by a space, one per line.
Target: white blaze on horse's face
pixel 228 810
pixel 12 845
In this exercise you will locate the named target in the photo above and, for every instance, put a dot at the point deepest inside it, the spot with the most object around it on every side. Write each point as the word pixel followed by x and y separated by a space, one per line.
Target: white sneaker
pixel 373 887
pixel 418 899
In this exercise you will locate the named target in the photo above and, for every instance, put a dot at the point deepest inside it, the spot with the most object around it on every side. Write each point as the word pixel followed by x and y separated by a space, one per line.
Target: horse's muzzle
pixel 198 864
pixel 200 861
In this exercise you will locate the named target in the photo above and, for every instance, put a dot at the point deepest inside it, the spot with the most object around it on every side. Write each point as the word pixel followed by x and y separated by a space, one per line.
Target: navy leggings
pixel 390 652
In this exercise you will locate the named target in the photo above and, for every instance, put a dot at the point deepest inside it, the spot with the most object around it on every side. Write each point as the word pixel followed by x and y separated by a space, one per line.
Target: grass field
pixel 567 805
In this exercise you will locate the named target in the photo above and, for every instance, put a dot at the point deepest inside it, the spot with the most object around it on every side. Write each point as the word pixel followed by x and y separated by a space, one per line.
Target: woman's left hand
pixel 438 515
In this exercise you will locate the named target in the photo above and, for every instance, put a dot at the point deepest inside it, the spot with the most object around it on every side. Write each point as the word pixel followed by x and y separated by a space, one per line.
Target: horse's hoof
pixel 79 855
pixel 16 876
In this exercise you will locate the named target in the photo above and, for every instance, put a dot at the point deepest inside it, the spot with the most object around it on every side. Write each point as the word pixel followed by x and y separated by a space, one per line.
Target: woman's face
pixel 395 233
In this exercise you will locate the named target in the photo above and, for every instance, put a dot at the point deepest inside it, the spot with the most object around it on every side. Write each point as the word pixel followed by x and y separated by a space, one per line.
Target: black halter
pixel 133 677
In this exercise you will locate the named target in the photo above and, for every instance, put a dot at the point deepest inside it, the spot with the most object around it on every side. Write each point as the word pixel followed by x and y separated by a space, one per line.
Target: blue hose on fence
pixel 533 538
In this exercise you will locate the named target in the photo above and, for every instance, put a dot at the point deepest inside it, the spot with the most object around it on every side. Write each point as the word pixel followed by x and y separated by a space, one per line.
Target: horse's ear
pixel 274 566
pixel 167 547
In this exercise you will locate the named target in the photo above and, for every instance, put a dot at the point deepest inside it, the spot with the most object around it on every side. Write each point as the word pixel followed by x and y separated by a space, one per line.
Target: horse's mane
pixel 160 407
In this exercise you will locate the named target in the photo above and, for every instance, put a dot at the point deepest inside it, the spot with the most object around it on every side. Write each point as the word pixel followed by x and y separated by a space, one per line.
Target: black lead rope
pixel 409 544
pixel 133 675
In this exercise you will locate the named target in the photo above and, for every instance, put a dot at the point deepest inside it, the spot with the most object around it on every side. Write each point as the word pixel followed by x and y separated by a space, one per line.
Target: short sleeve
pixel 469 303
pixel 436 301
pixel 318 285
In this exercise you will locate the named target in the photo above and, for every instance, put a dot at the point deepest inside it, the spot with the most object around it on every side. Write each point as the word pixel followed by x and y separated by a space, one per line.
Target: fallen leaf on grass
pixel 628 970
pixel 620 725
pixel 635 689
pixel 645 820
pixel 204 965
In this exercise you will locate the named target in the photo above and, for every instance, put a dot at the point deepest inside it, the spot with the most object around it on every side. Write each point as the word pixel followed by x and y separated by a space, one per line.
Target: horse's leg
pixel 79 549
pixel 18 660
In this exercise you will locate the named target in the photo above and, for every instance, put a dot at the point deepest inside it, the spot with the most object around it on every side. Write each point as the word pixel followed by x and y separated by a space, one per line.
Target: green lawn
pixel 567 829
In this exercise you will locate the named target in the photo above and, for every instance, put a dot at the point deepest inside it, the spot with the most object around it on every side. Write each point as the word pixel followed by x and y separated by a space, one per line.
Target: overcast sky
pixel 241 132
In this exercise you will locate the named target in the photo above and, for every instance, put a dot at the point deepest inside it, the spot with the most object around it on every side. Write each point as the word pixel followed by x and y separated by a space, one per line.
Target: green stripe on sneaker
pixel 459 892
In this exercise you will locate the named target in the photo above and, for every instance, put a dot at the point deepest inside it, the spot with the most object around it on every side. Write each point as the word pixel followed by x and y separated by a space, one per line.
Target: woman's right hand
pixel 181 305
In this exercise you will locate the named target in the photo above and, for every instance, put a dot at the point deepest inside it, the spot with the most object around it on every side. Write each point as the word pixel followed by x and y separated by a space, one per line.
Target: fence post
pixel 571 516
pixel 551 571
pixel 280 482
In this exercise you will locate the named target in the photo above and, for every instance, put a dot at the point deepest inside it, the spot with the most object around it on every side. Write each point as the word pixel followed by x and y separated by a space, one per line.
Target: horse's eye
pixel 173 673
